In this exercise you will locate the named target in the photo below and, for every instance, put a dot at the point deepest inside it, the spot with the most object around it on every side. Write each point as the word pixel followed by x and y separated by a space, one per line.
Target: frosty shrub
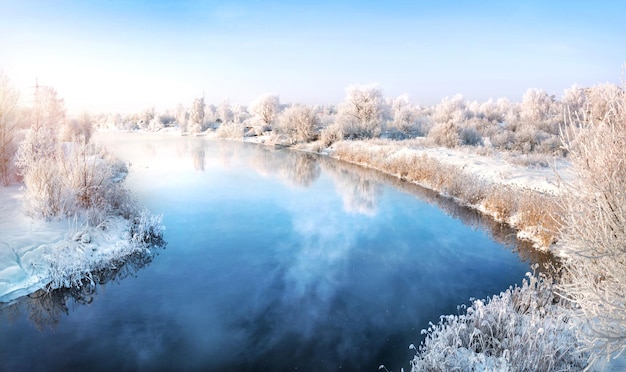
pixel 594 230
pixel 362 112
pixel 407 120
pixel 77 129
pixel 469 136
pixel 445 134
pixel 522 329
pixel 230 130
pixel 265 109
pixel 298 123
pixel 146 229
pixel 331 134
pixel 195 124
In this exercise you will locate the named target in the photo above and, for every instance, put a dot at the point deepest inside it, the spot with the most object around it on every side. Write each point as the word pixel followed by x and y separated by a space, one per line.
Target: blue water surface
pixel 275 260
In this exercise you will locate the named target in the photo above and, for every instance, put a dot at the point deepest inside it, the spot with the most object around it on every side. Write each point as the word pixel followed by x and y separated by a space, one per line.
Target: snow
pixel 37 253
pixel 494 168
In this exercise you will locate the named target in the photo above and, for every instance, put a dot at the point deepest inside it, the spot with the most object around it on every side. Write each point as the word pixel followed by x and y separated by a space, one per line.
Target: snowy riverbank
pixel 38 254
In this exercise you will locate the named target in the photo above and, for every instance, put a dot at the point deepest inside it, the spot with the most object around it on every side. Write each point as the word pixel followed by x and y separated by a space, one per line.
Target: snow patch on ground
pixel 494 168
pixel 35 254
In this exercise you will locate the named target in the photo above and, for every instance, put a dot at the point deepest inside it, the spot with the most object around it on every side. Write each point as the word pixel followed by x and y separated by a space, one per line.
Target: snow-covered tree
pixel 182 117
pixel 8 125
pixel 574 101
pixel 196 116
pixel 451 110
pixel 362 113
pixel 225 112
pixel 299 123
pixel 405 117
pixel 448 117
pixel 601 102
pixel 594 231
pixel 539 109
pixel 78 130
pixel 266 108
pixel 145 117
pixel 240 114
pixel 47 117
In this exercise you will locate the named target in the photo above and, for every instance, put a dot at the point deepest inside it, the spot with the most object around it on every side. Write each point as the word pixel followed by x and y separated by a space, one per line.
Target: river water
pixel 275 260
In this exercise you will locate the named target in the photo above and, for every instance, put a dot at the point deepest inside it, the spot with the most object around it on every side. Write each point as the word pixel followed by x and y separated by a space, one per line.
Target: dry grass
pixel 537 215
pixel 522 329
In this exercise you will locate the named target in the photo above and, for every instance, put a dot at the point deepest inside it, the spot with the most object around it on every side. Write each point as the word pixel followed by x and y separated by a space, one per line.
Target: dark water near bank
pixel 275 260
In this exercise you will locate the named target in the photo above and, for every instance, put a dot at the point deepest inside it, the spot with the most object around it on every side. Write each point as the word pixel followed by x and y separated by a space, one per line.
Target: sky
pixel 128 55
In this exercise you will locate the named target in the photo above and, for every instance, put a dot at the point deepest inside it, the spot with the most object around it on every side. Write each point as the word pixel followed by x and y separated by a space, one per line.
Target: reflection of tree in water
pixel 227 153
pixel 45 308
pixel 501 233
pixel 198 155
pixel 294 168
pixel 359 191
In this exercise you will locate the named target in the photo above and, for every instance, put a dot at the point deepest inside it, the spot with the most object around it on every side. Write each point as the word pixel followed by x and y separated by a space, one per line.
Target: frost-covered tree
pixel 77 130
pixel 196 116
pixel 448 117
pixel 540 110
pixel 362 112
pixel 225 112
pixel 39 153
pixel 299 123
pixel 182 117
pixel 601 102
pixel 240 114
pixel 574 101
pixel 46 119
pixel 594 231
pixel 265 109
pixel 405 117
pixel 145 117
pixel 491 111
pixel 451 110
pixel 8 125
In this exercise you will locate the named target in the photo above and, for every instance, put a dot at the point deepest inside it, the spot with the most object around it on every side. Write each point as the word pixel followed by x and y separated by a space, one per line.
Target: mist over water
pixel 275 260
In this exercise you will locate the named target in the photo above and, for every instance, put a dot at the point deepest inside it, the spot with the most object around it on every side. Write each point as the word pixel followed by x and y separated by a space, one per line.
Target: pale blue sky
pixel 120 55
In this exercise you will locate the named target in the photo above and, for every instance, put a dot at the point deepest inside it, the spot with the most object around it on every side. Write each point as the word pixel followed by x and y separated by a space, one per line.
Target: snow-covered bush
pixel 298 123
pixel 331 134
pixel 182 118
pixel 224 112
pixel 362 113
pixel 522 329
pixel 594 230
pixel 407 120
pixel 79 129
pixel 196 116
pixel 445 134
pixel 602 101
pixel 265 110
pixel 230 130
pixel 539 109
pixel 469 136
pixel 451 110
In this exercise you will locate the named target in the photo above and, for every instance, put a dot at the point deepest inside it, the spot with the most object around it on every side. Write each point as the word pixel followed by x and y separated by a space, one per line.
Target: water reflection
pixel 500 232
pixel 335 270
pixel 293 168
pixel 44 309
pixel 198 155
pixel 359 192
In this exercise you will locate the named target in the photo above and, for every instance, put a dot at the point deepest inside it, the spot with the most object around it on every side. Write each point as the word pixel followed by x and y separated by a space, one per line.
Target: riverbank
pixel 524 197
pixel 39 254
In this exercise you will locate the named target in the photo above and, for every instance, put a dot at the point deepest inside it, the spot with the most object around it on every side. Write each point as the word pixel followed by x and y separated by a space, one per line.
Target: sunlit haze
pixel 128 55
